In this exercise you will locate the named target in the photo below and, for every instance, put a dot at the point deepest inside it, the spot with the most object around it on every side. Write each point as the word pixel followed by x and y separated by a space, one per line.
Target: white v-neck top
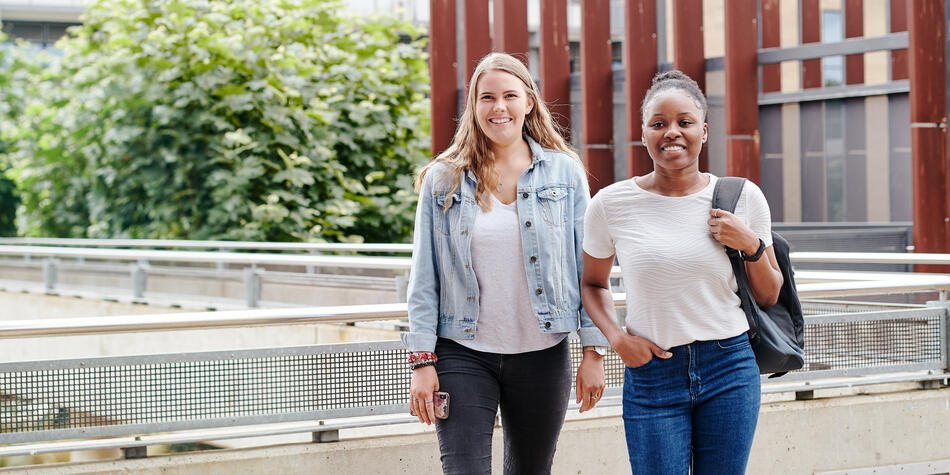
pixel 506 320
pixel 679 282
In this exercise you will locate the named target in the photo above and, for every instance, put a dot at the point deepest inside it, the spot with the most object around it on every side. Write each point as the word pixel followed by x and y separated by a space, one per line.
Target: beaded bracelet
pixel 421 364
pixel 422 356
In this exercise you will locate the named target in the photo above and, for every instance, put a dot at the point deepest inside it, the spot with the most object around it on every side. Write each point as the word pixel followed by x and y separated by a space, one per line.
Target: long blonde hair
pixel 471 149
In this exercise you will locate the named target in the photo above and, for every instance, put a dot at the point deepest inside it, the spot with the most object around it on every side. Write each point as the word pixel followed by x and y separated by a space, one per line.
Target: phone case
pixel 440 404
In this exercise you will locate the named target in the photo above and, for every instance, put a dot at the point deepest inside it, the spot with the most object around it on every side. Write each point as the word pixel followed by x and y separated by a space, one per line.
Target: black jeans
pixel 532 389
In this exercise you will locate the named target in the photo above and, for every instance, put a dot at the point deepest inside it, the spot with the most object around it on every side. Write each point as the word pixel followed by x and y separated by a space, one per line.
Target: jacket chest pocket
pixel 553 203
pixel 445 220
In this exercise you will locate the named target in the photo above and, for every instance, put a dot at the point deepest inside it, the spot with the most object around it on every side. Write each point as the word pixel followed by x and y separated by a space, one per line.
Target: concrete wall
pixel 793 437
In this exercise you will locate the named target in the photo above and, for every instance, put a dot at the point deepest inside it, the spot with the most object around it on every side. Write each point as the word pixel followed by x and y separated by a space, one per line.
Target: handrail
pixel 397 263
pixel 196 320
pixel 345 261
pixel 888 283
pixel 871 257
pixel 367 262
pixel 190 244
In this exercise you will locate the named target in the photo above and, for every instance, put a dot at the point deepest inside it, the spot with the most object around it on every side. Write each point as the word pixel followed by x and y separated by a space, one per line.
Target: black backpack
pixel 777 334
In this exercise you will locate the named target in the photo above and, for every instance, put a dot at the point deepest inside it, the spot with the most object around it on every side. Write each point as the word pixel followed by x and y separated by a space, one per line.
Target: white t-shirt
pixel 506 320
pixel 679 282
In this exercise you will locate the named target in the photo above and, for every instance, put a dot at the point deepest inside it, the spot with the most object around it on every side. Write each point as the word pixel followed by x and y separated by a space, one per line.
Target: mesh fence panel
pixel 80 397
pixel 872 343
pixel 204 389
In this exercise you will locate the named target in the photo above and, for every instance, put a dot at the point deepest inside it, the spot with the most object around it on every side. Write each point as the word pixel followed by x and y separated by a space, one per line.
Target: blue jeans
pixel 532 389
pixel 697 409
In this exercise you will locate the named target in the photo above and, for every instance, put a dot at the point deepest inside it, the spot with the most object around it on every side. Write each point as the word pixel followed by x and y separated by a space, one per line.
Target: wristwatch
pixel 600 350
pixel 756 256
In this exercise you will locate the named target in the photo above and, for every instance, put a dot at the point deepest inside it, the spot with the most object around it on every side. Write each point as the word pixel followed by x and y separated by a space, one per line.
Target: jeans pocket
pixel 733 343
pixel 644 365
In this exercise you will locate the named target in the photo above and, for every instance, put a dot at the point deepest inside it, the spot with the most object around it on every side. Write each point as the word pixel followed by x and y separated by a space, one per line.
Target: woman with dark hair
pixel 495 283
pixel 691 386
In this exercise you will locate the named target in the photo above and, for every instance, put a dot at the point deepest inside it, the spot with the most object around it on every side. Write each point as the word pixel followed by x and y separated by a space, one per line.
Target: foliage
pixel 226 119
pixel 19 66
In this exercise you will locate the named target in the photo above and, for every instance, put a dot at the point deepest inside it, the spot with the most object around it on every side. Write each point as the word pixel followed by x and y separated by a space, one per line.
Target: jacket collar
pixel 537 155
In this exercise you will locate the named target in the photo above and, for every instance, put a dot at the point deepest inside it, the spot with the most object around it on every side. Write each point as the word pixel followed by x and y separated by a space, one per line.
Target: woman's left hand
pixel 589 385
pixel 730 231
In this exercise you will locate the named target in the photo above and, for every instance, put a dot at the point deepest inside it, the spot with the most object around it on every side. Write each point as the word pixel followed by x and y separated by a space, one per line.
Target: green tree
pixel 20 65
pixel 227 119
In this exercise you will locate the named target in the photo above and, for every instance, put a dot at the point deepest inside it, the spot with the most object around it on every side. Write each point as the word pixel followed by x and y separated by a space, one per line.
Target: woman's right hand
pixel 422 384
pixel 636 350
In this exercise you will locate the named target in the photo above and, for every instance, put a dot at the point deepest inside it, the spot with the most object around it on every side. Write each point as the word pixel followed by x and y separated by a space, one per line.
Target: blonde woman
pixel 494 289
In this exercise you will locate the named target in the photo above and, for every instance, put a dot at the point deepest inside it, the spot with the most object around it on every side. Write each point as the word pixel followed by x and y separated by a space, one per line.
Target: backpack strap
pixel 725 197
pixel 727 191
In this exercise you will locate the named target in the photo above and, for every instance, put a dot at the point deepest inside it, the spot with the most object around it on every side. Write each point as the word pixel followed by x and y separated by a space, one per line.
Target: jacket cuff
pixel 421 341
pixel 592 336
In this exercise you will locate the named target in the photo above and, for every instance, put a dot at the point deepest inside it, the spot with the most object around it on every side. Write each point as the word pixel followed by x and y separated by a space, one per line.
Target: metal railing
pixel 848 343
pixel 208 245
pixel 115 396
pixel 142 261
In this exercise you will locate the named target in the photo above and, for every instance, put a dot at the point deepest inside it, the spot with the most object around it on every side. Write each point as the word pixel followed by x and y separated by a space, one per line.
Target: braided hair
pixel 678 81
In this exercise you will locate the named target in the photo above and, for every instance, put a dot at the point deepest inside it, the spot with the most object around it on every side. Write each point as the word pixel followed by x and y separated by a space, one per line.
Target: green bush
pixel 19 67
pixel 227 119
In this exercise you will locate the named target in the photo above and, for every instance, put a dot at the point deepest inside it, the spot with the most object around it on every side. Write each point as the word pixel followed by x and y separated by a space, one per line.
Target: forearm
pixel 765 278
pixel 600 307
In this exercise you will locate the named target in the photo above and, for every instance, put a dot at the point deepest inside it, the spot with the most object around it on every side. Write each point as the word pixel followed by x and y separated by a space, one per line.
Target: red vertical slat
pixel 928 133
pixel 442 73
pixel 596 93
pixel 511 27
pixel 898 23
pixel 854 28
pixel 639 62
pixel 477 35
pixel 811 33
pixel 742 106
pixel 555 58
pixel 771 38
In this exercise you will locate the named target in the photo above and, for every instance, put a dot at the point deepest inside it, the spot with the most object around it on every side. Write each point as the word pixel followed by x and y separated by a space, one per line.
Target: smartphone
pixel 440 403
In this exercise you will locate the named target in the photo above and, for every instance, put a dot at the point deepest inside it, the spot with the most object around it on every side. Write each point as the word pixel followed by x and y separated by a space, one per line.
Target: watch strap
pixel 757 255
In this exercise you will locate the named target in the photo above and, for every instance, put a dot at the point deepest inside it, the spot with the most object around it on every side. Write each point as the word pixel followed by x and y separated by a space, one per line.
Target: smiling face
pixel 673 130
pixel 501 104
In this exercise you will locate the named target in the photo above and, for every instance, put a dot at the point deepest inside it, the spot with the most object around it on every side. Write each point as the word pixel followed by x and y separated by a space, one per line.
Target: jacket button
pixel 533 259
pixel 524 195
pixel 538 291
pixel 547 324
pixel 527 224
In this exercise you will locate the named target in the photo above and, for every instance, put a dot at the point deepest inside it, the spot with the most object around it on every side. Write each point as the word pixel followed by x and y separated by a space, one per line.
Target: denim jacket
pixel 443 291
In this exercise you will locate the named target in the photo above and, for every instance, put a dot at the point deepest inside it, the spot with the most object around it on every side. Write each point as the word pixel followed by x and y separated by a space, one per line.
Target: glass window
pixel 832 31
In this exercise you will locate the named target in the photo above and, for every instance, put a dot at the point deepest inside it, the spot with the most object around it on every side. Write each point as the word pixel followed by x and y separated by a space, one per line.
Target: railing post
pixel 402 287
pixel 252 286
pixel 50 274
pixel 139 452
pixel 329 435
pixel 944 328
pixel 139 271
pixel 309 267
